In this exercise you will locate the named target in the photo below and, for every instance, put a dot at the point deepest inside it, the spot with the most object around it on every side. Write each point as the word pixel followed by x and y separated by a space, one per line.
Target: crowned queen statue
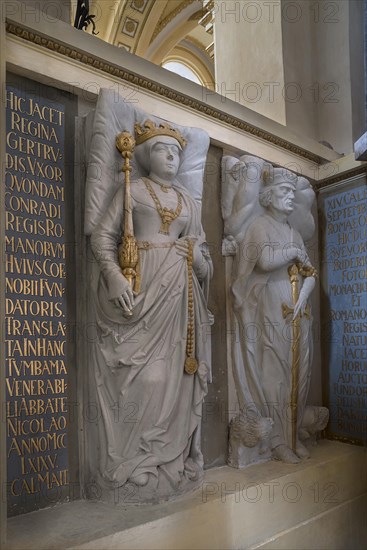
pixel 152 357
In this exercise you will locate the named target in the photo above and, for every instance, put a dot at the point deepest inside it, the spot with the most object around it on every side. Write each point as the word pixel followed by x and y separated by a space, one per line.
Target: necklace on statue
pixel 167 215
pixel 165 188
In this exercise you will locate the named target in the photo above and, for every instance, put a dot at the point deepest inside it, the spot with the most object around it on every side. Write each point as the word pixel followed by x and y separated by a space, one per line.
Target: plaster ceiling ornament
pixel 139 5
pixel 165 20
pixel 130 27
pixel 126 46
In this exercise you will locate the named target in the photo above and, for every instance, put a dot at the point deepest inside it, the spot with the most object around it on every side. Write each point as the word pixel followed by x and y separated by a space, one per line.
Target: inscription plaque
pixel 345 278
pixel 36 366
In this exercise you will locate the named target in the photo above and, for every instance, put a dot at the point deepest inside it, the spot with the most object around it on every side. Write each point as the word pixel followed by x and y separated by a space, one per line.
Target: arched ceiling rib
pixel 154 28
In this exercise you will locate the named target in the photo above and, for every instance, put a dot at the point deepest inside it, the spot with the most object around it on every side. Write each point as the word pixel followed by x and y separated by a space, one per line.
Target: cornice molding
pixel 322 184
pixel 166 92
pixel 196 16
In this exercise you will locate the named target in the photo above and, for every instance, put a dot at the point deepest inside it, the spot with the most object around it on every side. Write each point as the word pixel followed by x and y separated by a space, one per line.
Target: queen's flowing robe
pixel 151 409
pixel 263 360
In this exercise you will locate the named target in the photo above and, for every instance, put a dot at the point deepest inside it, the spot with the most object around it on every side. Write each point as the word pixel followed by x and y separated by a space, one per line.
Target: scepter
pixel 128 252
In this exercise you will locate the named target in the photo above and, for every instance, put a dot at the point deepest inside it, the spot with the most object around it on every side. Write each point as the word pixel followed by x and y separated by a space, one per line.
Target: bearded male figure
pixel 264 300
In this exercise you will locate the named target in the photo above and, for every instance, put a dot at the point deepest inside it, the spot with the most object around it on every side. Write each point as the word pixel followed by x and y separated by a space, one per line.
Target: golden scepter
pixel 128 252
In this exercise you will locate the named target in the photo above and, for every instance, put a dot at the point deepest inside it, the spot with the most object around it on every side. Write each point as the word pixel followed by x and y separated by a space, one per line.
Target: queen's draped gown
pixel 150 408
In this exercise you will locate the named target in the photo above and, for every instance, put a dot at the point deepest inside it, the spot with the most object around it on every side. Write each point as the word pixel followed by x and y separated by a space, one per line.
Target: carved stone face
pixel 282 197
pixel 165 160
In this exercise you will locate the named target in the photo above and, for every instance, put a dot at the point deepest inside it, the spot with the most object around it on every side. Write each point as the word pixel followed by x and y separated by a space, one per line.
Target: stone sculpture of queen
pixel 147 337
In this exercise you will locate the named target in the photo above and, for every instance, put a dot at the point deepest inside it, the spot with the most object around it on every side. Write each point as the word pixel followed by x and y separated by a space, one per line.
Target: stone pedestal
pixel 319 503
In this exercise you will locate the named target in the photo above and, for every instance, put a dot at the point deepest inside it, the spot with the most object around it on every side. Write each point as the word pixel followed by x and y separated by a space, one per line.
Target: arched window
pixel 182 70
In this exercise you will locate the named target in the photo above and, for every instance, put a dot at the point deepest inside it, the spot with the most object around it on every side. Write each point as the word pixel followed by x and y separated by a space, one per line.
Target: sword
pixel 296 346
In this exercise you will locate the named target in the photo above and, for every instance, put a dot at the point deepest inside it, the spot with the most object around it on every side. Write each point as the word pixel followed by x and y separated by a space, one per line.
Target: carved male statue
pixel 271 303
pixel 152 356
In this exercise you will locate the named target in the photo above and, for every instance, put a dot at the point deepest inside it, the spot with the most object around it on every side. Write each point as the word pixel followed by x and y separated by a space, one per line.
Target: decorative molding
pixel 170 17
pixel 196 16
pixel 122 45
pixel 139 17
pixel 210 51
pixel 139 5
pixel 143 22
pixel 207 20
pixel 195 43
pixel 130 27
pixel 322 184
pixel 196 60
pixel 173 95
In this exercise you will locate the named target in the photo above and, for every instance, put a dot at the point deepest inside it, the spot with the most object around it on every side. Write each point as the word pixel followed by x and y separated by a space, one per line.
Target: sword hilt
pixel 286 310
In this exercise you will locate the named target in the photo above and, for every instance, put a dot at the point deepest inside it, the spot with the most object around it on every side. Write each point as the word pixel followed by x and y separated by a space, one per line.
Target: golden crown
pixel 148 130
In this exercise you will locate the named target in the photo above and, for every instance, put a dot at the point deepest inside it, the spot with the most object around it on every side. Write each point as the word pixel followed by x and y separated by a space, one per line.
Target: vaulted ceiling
pixel 160 31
